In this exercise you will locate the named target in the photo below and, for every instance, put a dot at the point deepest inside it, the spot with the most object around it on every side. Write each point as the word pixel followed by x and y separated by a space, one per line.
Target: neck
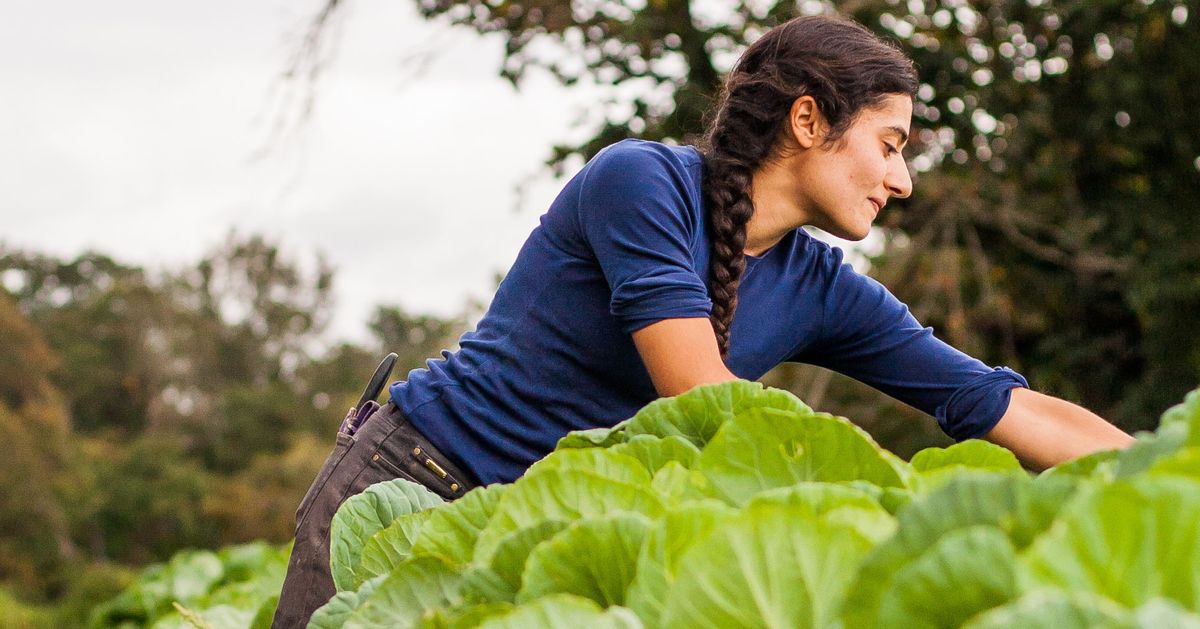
pixel 777 208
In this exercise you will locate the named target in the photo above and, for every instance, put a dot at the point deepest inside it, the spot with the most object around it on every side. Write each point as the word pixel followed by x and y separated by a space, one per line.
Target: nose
pixel 898 181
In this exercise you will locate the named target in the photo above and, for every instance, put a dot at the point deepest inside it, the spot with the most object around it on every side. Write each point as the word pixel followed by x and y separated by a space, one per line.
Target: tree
pixel 145 500
pixel 105 323
pixel 247 320
pixel 34 529
pixel 255 309
pixel 142 412
pixel 414 338
pixel 209 352
pixel 1052 237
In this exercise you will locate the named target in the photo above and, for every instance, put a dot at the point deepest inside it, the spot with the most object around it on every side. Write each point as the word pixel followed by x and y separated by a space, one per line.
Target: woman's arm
pixel 1044 431
pixel 680 354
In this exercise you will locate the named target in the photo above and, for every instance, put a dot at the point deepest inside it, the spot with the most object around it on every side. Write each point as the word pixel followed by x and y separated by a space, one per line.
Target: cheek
pixel 871 169
pixel 864 171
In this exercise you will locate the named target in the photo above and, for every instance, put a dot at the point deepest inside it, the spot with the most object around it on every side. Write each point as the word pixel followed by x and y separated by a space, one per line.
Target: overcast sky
pixel 131 127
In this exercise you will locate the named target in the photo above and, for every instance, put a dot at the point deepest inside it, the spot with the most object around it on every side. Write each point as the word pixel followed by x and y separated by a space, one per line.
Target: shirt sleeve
pixel 636 216
pixel 870 335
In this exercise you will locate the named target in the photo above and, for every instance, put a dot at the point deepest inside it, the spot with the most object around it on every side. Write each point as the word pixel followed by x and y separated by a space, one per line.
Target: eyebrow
pixel 900 132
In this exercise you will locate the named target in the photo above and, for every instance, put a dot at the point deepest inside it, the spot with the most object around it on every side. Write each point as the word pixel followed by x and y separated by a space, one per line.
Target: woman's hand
pixel 681 354
pixel 1044 431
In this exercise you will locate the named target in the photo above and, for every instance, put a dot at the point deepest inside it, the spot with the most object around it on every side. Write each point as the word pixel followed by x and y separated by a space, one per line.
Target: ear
pixel 806 123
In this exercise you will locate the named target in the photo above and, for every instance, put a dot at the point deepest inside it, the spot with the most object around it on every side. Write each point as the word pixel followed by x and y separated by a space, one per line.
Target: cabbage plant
pixel 737 506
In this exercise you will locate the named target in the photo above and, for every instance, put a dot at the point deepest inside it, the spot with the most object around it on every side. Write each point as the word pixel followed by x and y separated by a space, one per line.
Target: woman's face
pixel 848 182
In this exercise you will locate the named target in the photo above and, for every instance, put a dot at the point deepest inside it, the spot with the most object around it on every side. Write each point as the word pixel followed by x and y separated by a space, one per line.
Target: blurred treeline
pixel 1055 228
pixel 142 411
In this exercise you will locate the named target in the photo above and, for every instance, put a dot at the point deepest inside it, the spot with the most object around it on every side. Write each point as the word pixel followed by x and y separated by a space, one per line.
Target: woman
pixel 660 268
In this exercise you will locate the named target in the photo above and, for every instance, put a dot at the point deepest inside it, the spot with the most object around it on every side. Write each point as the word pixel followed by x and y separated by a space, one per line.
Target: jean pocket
pixel 392 470
pixel 413 460
pixel 443 482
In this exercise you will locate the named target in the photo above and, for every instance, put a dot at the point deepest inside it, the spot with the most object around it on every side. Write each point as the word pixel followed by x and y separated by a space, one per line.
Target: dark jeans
pixel 387 446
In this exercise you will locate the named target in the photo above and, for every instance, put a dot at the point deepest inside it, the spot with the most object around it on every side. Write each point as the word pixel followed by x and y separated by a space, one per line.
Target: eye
pixel 890 148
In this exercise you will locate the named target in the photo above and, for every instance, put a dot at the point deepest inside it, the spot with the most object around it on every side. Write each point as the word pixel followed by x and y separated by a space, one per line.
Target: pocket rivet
pixel 416 450
pixel 375 458
pixel 453 486
pixel 437 469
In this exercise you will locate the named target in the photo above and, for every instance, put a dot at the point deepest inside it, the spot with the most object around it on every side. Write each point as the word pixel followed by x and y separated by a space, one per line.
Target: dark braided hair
pixel 841 65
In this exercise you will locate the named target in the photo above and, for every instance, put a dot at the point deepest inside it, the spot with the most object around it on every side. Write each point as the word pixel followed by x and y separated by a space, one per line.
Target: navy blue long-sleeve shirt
pixel 624 245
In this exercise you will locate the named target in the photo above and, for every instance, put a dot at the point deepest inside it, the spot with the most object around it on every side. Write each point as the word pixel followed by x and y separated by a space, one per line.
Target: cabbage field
pixel 738 506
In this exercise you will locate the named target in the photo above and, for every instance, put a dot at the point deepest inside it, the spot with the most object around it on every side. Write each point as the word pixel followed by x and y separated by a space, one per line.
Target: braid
pixel 739 139
pixel 728 191
pixel 842 66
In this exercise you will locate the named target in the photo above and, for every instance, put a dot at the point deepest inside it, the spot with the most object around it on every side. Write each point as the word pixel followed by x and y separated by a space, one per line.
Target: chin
pixel 851 233
pixel 860 235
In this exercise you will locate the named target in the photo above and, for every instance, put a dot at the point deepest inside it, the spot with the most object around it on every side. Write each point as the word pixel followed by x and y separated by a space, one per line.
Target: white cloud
pixel 129 127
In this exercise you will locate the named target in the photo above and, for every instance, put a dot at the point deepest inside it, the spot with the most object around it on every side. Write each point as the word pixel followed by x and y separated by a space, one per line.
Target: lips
pixel 878 204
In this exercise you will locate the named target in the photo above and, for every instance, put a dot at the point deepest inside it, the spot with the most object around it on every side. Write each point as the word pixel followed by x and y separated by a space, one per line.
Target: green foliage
pixel 260 500
pixel 97 316
pixel 695 416
pixel 603 575
pixel 1158 543
pixel 1055 152
pixel 765 448
pixel 335 613
pixel 451 532
pixel 414 338
pixel 972 453
pixel 35 536
pixel 1057 609
pixel 560 610
pixel 664 545
pixel 655 452
pixel 401 597
pixel 145 412
pixel 365 514
pixel 232 587
pixel 585 537
pixel 845 504
pixel 208 350
pixel 146 500
pixel 26 360
pixel 936 465
pixel 1057 231
pixel 16 614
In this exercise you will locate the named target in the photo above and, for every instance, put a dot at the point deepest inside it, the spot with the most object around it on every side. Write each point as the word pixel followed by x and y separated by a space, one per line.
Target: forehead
pixel 894 111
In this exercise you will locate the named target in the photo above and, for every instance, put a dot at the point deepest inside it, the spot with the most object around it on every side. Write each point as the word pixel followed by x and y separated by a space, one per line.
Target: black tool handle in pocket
pixel 382 373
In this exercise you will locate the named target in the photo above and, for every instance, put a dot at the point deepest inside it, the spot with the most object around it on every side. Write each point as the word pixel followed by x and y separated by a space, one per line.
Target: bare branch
pixel 980 261
pixel 292 99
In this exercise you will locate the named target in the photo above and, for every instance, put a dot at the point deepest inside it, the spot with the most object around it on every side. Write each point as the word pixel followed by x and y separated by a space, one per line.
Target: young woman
pixel 659 268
